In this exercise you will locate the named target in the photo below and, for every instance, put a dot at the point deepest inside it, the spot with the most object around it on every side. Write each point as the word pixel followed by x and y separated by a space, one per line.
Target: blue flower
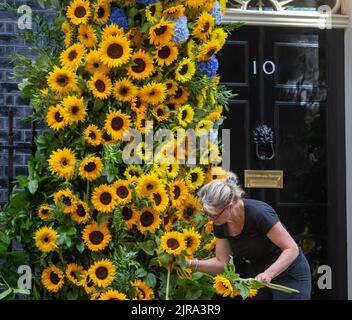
pixel 119 17
pixel 146 1
pixel 209 68
pixel 181 32
pixel 216 12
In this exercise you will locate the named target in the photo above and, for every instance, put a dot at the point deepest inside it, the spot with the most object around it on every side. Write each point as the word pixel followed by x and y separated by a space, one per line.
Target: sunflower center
pixel 115 51
pixel 126 213
pixel 177 192
pixel 171 106
pixel 184 114
pixel 54 277
pixel 105 198
pixel 106 137
pixel 62 80
pixel 140 65
pixel 141 292
pixel 101 273
pixel 96 237
pixel 89 282
pixel 58 117
pixel 80 12
pixel 46 239
pixel 66 200
pixel 138 102
pixel 81 212
pixel 147 219
pixel 189 212
pixel 168 85
pixel 122 192
pixel 205 27
pixel 100 12
pixel 189 242
pixel 210 52
pixel 117 123
pixel 164 52
pixel 152 93
pixel 45 211
pixel 178 93
pixel 157 198
pixel 152 10
pixel 194 177
pixel 89 167
pixel 73 275
pixel 124 91
pixel 100 85
pixel 92 135
pixel 96 65
pixel 150 186
pixel 160 30
pixel 74 109
pixel 72 55
pixel 160 112
pixel 183 70
pixel 172 243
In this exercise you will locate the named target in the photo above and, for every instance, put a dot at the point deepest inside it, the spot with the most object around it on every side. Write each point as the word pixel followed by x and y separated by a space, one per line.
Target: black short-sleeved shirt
pixel 252 244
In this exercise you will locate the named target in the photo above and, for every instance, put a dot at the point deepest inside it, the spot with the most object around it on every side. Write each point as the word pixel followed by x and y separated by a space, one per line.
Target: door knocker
pixel 263 137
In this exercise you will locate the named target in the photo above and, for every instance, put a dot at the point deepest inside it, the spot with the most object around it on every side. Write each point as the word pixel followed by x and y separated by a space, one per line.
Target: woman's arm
pixel 280 237
pixel 214 265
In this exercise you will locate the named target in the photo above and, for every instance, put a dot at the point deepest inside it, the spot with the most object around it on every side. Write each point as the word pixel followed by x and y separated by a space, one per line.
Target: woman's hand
pixel 264 277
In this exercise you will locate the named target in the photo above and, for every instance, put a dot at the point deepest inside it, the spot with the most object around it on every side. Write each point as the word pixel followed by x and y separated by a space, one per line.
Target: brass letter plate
pixel 263 179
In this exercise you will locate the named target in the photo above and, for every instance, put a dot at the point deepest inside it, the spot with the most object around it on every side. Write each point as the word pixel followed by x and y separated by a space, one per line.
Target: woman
pixel 261 246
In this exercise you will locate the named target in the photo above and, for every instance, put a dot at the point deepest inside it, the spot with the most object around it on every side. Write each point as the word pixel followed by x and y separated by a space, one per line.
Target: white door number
pixel 268 67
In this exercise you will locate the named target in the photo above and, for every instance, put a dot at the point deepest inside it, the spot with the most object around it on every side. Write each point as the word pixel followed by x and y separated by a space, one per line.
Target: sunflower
pixel 72 56
pixel 171 86
pixel 102 273
pixel 195 3
pixel 208 50
pixel 101 11
pixel 147 185
pixel 153 93
pixel 129 216
pixel 75 273
pixel 173 242
pixel 66 200
pixel 194 178
pixel 115 51
pixel 135 36
pixel 100 85
pixel 223 286
pixel 123 193
pixel 166 54
pixel 252 293
pixel 132 171
pixel 142 65
pixel 61 80
pixel 143 291
pixel 78 11
pixel 185 115
pixel 113 295
pixel 219 35
pixel 185 70
pixel 204 25
pixel 138 105
pixel 104 198
pixel 141 124
pixel 192 240
pixel 211 154
pixel 90 168
pixel 81 214
pixel 213 116
pixel 209 227
pixel 106 138
pixel 46 239
pixel 210 246
pixel 45 212
pixel 66 28
pixel 55 118
pixel 93 64
pixel 88 283
pixel 172 170
pixel 181 96
pixel 87 36
pixel 161 33
pixel 52 278
pixel 153 12
pixel 191 49
pixel 174 12
pixel 96 237
pixel 215 173
pixel 112 30
pixel 148 220
pixel 189 208
pixel 117 123
pixel 62 162
pixel 178 192
pixel 93 135
pixel 125 90
pixel 160 113
pixel 159 199
pixel 74 109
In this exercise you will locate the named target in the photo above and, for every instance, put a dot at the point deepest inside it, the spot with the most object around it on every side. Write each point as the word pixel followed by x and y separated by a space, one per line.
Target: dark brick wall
pixel 9 94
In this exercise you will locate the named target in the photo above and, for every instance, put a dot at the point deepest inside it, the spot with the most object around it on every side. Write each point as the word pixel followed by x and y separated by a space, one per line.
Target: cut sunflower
pixel 104 198
pixel 148 220
pixel 112 30
pixel 185 115
pixel 101 11
pixel 143 291
pixel 142 65
pixel 125 90
pixel 178 192
pixel 46 239
pixel 115 51
pixel 194 178
pixel 66 28
pixel 174 12
pixel 74 109
pixel 93 135
pixel 102 273
pixel 147 185
pixel 138 105
pixel 153 12
pixel 96 237
pixel 153 93
pixel 55 118
pixel 189 208
pixel 161 33
pixel 208 50
pixel 219 35
pixel 88 283
pixel 173 242
pixel 160 113
pixel 61 80
pixel 75 273
pixel 204 26
pixel 87 36
pixel 129 216
pixel 100 85
pixel 93 64
pixel 132 171
pixel 123 193
pixel 52 278
pixel 166 54
pixel 91 168
pixel 192 240
pixel 117 123
pixel 78 11
pixel 181 96
pixel 62 163
pixel 81 213
pixel 72 56
pixel 66 200
pixel 45 212
pixel 113 295
pixel 159 200
pixel 223 286
pixel 171 86
pixel 185 70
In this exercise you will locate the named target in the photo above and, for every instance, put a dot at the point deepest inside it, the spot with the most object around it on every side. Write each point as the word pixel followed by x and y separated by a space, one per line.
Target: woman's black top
pixel 253 252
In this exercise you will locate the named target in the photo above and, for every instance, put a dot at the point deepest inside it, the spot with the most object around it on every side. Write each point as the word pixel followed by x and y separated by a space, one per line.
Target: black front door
pixel 284 81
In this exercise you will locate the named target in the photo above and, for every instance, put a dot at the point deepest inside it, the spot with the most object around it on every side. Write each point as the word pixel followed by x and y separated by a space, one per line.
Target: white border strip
pixel 306 19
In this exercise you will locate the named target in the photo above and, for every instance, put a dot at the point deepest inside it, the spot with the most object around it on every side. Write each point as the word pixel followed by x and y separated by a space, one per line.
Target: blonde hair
pixel 220 193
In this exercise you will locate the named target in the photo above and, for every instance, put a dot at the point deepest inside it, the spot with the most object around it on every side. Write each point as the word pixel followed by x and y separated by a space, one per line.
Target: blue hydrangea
pixel 119 17
pixel 146 2
pixel 181 32
pixel 209 68
pixel 216 12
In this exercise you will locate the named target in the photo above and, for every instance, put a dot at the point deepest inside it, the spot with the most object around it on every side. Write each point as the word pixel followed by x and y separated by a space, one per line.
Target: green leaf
pixel 101 219
pixel 4 294
pixel 80 247
pixel 21 291
pixel 22 180
pixel 196 294
pixel 62 238
pixel 147 246
pixel 140 272
pixel 71 231
pixel 33 186
pixel 150 279
pixel 197 275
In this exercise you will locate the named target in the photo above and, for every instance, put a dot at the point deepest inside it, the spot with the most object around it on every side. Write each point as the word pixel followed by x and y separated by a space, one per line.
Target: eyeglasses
pixel 215 216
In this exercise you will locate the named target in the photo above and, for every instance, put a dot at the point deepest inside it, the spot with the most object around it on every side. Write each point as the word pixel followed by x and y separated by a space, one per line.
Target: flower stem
pixel 168 282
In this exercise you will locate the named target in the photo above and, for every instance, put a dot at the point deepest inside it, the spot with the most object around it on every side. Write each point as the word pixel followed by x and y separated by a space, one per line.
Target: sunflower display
pixel 104 225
